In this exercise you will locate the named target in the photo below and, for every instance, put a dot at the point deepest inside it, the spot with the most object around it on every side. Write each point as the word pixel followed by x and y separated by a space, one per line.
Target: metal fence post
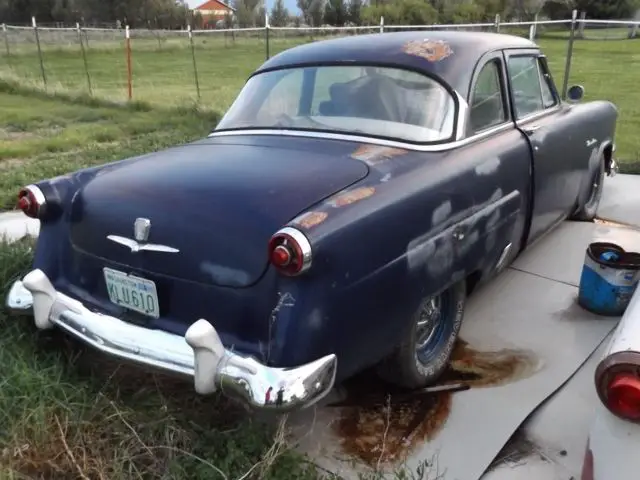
pixel 497 23
pixel 381 24
pixel 266 33
pixel 193 57
pixel 35 29
pixel 567 66
pixel 84 57
pixel 127 36
pixel 6 38
pixel 583 17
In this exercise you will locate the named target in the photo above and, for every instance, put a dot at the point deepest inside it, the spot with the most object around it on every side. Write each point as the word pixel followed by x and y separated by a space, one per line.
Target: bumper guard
pixel 199 354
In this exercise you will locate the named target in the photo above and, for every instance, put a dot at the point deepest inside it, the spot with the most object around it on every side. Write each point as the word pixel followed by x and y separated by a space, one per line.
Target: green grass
pixel 163 72
pixel 66 412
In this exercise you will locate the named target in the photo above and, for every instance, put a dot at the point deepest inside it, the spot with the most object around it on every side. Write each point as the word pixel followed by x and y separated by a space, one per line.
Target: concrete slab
pixel 560 255
pixel 554 449
pixel 533 321
pixel 621 199
pixel 15 225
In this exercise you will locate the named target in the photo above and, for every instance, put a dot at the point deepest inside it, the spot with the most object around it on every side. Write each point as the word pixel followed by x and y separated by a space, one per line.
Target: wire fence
pixel 210 66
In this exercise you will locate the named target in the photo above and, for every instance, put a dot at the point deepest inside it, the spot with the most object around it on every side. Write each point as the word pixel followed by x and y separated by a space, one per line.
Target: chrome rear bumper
pixel 199 354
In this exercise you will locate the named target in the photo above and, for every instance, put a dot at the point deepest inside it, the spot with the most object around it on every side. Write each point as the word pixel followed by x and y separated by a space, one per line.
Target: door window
pixel 487 103
pixel 530 85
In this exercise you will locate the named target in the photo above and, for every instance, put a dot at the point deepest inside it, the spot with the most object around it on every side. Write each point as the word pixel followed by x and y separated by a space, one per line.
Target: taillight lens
pixel 290 251
pixel 31 201
pixel 618 384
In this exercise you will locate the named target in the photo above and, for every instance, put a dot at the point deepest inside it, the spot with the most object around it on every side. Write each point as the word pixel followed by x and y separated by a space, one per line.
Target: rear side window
pixel 487 102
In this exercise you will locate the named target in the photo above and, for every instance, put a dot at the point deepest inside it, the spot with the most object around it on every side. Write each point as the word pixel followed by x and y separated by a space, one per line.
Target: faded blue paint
pixel 219 200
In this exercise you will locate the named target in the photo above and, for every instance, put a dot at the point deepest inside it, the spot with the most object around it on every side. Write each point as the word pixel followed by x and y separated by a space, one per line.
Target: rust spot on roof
pixel 431 50
pixel 351 196
pixel 374 154
pixel 311 219
pixel 387 423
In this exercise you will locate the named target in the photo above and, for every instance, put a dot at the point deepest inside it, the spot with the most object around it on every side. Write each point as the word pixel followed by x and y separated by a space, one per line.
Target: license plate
pixel 134 293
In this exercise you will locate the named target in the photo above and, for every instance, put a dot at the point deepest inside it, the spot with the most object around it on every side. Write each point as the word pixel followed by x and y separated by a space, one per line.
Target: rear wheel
pixel 588 211
pixel 426 349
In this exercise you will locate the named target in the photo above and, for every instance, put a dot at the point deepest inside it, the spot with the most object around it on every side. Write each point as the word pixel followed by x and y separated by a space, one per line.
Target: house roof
pixel 214 5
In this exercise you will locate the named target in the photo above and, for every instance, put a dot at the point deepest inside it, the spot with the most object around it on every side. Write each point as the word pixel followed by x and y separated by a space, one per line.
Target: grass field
pixel 163 72
pixel 68 413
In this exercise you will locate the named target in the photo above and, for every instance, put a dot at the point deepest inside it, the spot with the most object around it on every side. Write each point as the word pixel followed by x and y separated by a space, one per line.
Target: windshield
pixel 387 102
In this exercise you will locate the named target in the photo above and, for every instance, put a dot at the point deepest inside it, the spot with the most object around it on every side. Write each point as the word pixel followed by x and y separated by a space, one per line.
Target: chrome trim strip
pixel 368 140
pixel 199 354
pixel 537 115
pixel 459 129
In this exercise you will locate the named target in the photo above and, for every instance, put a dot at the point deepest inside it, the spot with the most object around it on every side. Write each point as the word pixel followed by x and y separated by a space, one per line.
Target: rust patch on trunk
pixel 351 196
pixel 387 422
pixel 311 219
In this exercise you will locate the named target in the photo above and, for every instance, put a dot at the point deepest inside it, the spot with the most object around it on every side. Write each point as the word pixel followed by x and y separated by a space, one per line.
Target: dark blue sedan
pixel 336 219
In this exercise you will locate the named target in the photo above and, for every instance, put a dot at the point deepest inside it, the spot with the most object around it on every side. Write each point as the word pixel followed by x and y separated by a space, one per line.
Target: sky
pixel 290 4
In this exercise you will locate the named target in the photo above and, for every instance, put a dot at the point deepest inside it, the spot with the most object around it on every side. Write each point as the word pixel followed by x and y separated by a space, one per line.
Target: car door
pixel 540 116
pixel 499 179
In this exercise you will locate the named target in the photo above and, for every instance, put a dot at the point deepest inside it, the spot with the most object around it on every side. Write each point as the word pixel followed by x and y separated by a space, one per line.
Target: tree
pixel 279 14
pixel 607 9
pixel 335 13
pixel 558 9
pixel 401 12
pixel 316 12
pixel 305 8
pixel 354 8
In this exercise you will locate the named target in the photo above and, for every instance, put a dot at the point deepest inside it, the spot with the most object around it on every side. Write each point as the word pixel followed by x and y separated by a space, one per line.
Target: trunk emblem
pixel 141 229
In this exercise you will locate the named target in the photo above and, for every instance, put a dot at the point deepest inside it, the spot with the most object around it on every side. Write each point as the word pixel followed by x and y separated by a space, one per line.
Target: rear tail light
pixel 290 252
pixel 618 384
pixel 32 202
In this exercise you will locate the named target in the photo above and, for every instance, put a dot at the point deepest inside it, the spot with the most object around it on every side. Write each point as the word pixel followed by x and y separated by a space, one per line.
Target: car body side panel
pixel 557 168
pixel 614 444
pixel 597 120
pixel 363 309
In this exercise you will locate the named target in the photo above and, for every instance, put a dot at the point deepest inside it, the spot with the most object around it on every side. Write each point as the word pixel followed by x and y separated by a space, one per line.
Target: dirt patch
pixel 386 423
pixel 8 134
pixel 9 163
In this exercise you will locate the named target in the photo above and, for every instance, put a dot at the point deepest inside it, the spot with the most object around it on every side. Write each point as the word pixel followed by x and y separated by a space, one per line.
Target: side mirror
pixel 575 94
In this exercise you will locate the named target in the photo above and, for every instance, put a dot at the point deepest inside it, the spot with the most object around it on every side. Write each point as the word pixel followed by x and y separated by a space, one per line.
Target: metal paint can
pixel 609 278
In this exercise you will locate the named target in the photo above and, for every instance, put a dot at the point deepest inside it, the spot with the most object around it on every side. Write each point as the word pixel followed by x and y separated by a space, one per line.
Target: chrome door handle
pixel 531 129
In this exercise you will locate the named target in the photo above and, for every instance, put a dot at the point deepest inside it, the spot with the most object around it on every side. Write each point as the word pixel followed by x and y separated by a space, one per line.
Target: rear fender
pixel 363 309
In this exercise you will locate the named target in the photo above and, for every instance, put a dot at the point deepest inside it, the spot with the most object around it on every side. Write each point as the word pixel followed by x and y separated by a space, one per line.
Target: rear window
pixel 387 102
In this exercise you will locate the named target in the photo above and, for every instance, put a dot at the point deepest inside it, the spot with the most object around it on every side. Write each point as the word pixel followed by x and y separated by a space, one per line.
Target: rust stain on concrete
pixel 388 423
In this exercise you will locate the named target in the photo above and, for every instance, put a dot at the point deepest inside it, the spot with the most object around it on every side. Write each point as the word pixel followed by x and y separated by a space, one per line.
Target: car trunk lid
pixel 216 204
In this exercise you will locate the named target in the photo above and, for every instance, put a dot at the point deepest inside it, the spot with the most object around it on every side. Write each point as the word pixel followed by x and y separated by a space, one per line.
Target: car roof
pixel 451 55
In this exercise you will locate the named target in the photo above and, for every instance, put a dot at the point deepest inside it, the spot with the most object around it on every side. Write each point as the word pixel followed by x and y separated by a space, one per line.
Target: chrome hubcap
pixel 430 318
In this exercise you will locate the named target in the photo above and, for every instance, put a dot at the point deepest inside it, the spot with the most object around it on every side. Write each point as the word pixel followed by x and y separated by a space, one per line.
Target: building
pixel 213 11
